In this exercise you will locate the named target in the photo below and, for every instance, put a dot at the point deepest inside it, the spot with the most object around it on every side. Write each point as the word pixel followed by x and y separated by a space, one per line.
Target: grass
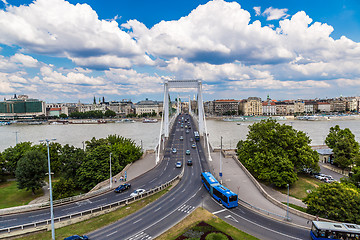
pixel 11 196
pixel 300 187
pixel 198 216
pixel 90 225
pixel 302 209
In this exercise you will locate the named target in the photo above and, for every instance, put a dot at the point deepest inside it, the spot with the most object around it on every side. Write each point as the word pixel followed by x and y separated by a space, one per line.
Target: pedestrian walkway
pixel 44 198
pixel 236 179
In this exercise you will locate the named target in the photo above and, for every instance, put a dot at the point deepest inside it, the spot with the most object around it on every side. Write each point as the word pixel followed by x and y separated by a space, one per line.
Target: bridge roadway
pixel 161 215
pixel 162 173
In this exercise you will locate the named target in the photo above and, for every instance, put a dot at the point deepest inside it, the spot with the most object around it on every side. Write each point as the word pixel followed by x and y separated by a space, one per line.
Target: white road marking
pixel 219 211
pixel 231 218
pixel 137 221
pixel 139 236
pixel 111 233
pixel 10 220
pixel 32 216
pixel 157 209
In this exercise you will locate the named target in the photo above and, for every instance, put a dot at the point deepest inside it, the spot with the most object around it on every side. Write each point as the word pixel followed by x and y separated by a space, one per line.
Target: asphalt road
pixel 164 172
pixel 164 213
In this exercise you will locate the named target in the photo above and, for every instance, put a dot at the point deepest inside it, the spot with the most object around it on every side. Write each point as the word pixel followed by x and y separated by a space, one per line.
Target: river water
pixel 147 134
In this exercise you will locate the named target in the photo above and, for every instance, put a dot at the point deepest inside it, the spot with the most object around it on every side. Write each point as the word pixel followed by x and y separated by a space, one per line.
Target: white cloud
pixel 57 27
pixel 25 60
pixel 275 13
pixel 257 11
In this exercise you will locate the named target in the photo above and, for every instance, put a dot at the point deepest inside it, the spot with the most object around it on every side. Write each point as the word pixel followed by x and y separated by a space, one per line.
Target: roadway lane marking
pixel 111 233
pixel 186 208
pixel 157 209
pixel 219 211
pixel 10 220
pixel 183 190
pixel 269 229
pixel 231 218
pixel 137 221
pixel 139 236
pixel 32 216
pixel 152 180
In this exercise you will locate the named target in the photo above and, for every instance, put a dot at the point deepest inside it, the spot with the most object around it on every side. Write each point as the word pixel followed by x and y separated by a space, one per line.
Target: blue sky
pixel 65 51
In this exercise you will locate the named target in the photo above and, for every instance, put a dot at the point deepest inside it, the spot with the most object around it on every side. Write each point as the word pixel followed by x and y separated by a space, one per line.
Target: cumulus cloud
pixel 59 28
pixel 217 32
pixel 25 60
pixel 275 13
pixel 257 11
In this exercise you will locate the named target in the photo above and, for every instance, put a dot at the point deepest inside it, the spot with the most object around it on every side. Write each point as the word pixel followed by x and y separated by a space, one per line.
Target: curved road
pixel 164 213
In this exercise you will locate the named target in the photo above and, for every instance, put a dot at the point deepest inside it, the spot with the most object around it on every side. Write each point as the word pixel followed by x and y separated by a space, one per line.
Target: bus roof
pixel 211 179
pixel 343 227
pixel 227 192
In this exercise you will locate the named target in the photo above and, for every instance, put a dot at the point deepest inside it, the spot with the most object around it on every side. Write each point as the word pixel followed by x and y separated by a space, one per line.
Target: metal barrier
pixel 45 224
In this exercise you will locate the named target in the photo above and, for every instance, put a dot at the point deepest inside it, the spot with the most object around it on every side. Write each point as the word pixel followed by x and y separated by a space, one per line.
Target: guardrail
pixel 79 216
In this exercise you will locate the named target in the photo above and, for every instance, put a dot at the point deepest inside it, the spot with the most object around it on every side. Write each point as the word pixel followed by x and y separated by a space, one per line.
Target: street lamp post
pixel 220 172
pixel 16 136
pixel 51 198
pixel 287 212
pixel 110 173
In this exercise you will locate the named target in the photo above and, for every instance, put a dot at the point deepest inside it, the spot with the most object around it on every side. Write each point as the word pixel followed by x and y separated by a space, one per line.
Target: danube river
pixel 147 134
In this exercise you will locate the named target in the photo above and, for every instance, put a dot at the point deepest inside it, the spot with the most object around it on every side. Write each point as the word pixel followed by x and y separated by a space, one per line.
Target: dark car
pixel 122 187
pixel 189 162
pixel 77 237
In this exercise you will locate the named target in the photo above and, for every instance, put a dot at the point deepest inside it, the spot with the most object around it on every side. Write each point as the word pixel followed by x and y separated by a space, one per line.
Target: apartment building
pixel 251 106
pixel 148 106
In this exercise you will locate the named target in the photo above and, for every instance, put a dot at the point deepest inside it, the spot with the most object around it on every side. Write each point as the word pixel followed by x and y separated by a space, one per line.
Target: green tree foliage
pixel 275 152
pixel 110 113
pixel 71 159
pixel 12 155
pixel 63 188
pixel 89 114
pixel 30 170
pixel 344 146
pixel 95 167
pixel 63 115
pixel 2 168
pixel 335 201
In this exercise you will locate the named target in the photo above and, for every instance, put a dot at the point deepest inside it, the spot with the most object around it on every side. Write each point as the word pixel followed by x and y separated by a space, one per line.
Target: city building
pixel 225 107
pixel 148 106
pixel 22 107
pixel 251 106
pixel 323 107
pixel 122 108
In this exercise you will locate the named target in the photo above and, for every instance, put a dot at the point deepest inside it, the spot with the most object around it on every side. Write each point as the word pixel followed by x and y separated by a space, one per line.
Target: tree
pixel 336 201
pixel 344 146
pixel 63 188
pixel 30 170
pixel 110 113
pixel 63 115
pixel 12 155
pixel 71 159
pixel 275 152
pixel 2 168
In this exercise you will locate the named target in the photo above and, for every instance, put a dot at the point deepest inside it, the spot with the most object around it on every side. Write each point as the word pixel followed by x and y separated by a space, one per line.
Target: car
pixel 189 127
pixel 181 138
pixel 137 192
pixel 178 164
pixel 182 125
pixel 193 145
pixel 188 152
pixel 77 237
pixel 186 126
pixel 122 187
pixel 189 162
pixel 187 131
pixel 174 150
pixel 191 139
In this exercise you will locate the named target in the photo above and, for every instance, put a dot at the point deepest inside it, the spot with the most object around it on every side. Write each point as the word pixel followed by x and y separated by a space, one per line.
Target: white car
pixel 137 192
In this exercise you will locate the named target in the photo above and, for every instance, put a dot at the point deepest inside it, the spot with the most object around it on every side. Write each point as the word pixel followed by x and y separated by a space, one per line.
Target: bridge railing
pixel 78 216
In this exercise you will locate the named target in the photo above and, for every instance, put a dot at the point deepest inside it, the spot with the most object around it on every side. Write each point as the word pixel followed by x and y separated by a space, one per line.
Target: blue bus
pixel 197 136
pixel 329 230
pixel 218 191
